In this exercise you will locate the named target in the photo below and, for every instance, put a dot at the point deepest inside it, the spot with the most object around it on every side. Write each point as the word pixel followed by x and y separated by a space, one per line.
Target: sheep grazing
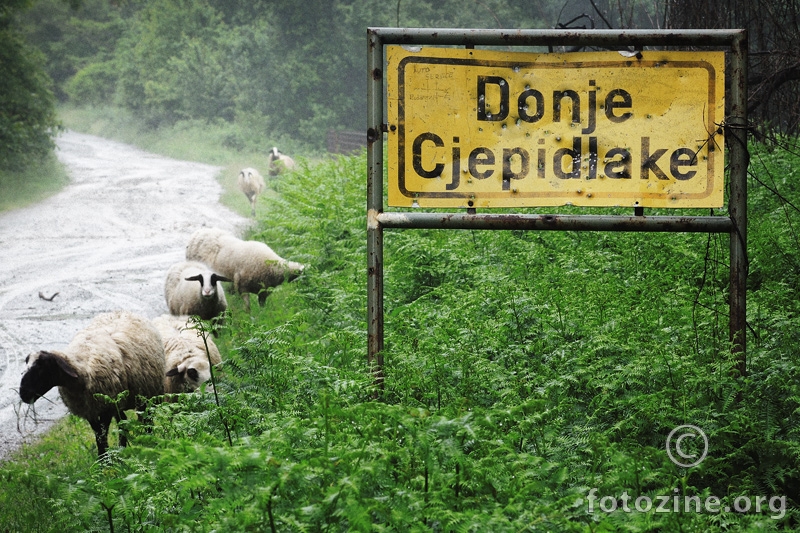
pixel 183 295
pixel 187 363
pixel 251 184
pixel 252 265
pixel 279 162
pixel 117 352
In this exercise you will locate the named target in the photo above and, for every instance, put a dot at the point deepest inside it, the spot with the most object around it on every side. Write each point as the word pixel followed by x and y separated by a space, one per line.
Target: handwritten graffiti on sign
pixel 482 128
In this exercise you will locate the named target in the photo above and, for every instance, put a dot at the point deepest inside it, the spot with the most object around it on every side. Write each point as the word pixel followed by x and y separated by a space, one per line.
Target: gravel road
pixel 105 242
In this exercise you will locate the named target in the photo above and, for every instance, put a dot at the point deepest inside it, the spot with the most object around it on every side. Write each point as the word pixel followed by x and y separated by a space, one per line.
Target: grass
pixel 35 183
pixel 532 379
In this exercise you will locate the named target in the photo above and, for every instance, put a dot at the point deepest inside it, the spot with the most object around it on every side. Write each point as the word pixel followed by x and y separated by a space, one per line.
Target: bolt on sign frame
pixel 497 89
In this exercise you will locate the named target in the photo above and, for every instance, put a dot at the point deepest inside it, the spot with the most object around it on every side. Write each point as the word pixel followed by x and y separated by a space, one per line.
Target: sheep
pixel 279 162
pixel 185 298
pixel 116 353
pixel 251 184
pixel 252 265
pixel 187 364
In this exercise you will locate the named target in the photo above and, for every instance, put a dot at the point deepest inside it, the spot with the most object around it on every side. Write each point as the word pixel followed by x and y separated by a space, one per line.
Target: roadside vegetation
pixel 523 370
pixel 31 184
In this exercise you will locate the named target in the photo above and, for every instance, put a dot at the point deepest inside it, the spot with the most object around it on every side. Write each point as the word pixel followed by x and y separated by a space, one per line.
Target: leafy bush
pixel 531 381
pixel 94 84
pixel 27 106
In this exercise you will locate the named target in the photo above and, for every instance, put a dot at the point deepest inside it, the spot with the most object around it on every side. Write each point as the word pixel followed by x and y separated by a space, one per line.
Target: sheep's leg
pixel 100 426
pixel 262 297
pixel 238 289
pixel 252 199
pixel 123 434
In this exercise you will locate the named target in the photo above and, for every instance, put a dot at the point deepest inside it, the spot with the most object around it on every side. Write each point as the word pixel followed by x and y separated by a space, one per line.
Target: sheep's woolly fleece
pixel 185 349
pixel 279 162
pixel 251 265
pixel 251 183
pixel 104 242
pixel 116 352
pixel 185 297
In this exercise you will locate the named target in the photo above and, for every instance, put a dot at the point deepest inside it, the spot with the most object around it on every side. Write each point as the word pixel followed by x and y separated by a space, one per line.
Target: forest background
pixel 289 72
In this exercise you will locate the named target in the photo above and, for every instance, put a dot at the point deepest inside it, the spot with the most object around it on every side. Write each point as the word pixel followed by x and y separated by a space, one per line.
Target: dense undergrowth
pixel 532 379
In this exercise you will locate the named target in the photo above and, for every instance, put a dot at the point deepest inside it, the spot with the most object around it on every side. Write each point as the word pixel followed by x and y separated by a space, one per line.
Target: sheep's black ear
pixel 216 277
pixel 62 363
pixel 196 277
pixel 173 372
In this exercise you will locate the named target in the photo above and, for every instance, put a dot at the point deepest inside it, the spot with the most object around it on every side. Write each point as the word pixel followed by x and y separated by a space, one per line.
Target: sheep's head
pixel 190 374
pixel 208 284
pixel 45 371
pixel 293 270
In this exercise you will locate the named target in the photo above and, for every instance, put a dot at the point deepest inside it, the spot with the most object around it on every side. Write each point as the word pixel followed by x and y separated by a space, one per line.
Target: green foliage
pixel 35 182
pixel 283 70
pixel 169 66
pixel 27 106
pixel 93 84
pixel 73 36
pixel 531 378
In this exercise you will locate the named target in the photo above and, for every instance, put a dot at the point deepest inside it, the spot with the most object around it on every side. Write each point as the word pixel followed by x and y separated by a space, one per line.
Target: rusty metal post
pixel 736 134
pixel 375 207
pixel 693 224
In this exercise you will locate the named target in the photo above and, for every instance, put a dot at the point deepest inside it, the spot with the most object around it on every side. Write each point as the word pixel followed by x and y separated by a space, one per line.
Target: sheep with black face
pixel 253 266
pixel 185 297
pixel 279 162
pixel 116 353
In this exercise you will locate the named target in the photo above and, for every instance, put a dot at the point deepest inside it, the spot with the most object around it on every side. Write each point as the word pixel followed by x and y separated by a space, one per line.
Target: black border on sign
pixel 621 64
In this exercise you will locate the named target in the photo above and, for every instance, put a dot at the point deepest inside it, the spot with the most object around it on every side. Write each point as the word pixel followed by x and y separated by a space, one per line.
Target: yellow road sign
pixel 481 128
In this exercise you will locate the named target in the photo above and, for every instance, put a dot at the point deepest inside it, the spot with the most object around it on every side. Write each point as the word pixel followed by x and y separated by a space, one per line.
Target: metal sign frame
pixel 735 224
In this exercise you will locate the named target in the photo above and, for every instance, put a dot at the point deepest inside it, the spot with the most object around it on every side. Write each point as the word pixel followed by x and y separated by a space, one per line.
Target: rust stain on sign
pixel 481 128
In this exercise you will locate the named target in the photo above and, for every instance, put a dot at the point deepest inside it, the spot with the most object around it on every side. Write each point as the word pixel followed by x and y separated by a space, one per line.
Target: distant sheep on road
pixel 279 162
pixel 252 265
pixel 251 183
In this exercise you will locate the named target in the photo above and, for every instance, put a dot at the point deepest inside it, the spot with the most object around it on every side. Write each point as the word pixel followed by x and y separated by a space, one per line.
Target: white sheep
pixel 184 297
pixel 279 162
pixel 187 363
pixel 252 265
pixel 116 353
pixel 251 184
